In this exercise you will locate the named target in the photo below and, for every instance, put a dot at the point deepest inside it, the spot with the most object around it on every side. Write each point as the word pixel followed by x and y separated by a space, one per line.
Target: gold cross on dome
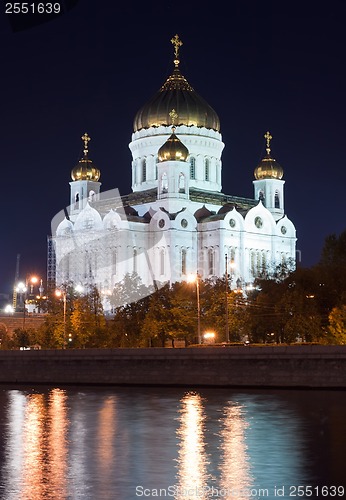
pixel 268 138
pixel 173 114
pixel 177 44
pixel 85 138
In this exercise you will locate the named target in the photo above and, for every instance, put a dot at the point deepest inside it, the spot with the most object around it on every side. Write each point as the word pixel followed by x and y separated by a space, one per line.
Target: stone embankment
pixel 305 366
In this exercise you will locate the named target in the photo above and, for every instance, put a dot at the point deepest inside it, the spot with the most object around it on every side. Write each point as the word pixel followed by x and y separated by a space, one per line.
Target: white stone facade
pixel 176 221
pixel 173 234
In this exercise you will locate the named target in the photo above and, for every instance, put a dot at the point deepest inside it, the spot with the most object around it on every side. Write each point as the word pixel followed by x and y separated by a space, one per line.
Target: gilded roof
pixel 268 168
pixel 85 170
pixel 176 93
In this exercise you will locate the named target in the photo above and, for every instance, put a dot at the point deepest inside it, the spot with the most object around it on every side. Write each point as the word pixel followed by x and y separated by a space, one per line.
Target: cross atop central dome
pixel 176 93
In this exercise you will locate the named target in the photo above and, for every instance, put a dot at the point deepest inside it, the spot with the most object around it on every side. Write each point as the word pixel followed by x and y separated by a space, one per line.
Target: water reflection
pixel 57 443
pixel 105 448
pixel 103 443
pixel 197 476
pixel 37 446
pixel 192 464
pixel 235 470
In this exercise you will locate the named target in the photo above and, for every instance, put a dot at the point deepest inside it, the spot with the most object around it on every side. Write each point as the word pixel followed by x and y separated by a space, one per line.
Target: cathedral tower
pixel 269 186
pixel 85 186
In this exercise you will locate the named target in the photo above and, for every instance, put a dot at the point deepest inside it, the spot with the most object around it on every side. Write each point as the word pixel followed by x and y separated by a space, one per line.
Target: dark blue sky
pixel 276 66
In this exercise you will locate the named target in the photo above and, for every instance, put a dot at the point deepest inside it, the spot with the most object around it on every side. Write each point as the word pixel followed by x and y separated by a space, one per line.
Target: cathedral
pixel 176 221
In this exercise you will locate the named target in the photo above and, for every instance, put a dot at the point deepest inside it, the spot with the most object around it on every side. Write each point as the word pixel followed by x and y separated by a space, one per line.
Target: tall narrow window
pixel 134 260
pixel 162 262
pixel 264 263
pixel 253 263
pixel 206 169
pixel 164 183
pixel 211 262
pixel 156 168
pixel 259 263
pixel 183 261
pixel 114 262
pixel 277 200
pixel 76 204
pixel 181 183
pixel 144 171
pixel 192 168
pixel 261 197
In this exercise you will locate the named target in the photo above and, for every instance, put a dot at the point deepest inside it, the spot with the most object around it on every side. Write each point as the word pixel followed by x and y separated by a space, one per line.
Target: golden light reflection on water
pixel 232 477
pixel 57 442
pixel 33 453
pixel 192 462
pixel 42 445
pixel 235 473
pixel 105 443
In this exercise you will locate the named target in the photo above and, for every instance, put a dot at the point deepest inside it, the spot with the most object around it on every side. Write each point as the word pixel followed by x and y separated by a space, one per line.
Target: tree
pixel 337 324
pixel 130 298
pixel 88 323
pixel 157 323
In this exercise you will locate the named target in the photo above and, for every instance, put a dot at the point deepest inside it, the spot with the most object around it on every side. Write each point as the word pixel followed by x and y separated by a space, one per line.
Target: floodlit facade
pixel 177 220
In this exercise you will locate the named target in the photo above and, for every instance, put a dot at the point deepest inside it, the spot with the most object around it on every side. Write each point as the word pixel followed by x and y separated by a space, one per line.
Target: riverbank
pixel 303 366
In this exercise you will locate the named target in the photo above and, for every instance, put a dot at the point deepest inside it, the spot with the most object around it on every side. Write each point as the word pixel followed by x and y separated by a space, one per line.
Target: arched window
pixel 91 195
pixel 76 201
pixel 164 183
pixel 206 169
pixel 192 168
pixel 144 171
pixel 264 263
pixel 183 261
pixel 261 197
pixel 134 260
pixel 277 200
pixel 156 168
pixel 253 263
pixel 114 261
pixel 181 183
pixel 162 262
pixel 211 270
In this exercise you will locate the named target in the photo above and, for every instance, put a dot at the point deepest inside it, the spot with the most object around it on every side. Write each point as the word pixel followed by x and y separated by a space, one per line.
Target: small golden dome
pixel 176 93
pixel 173 149
pixel 268 168
pixel 85 170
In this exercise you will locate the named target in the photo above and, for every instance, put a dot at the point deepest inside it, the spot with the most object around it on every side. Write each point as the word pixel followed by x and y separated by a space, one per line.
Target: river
pixel 106 443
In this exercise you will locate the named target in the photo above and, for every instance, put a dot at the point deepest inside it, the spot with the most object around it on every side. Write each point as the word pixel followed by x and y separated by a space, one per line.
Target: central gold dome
pixel 176 93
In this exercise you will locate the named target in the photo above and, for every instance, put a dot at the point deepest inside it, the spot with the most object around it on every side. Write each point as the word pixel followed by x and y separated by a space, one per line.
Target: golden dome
pixel 268 168
pixel 85 170
pixel 176 93
pixel 173 149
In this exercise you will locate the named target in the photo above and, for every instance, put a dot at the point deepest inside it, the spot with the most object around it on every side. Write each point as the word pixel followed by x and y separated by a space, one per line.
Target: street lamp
pixel 62 293
pixel 79 288
pixel 226 297
pixel 194 278
pixel 21 289
pixel 232 267
pixel 33 280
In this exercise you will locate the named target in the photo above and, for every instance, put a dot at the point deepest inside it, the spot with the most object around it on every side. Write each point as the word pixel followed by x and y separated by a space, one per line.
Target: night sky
pixel 276 66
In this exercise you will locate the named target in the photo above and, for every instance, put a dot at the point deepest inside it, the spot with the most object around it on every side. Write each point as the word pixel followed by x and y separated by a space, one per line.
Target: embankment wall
pixel 276 366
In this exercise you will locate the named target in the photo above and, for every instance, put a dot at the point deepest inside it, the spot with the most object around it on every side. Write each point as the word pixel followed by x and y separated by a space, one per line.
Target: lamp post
pixel 226 298
pixel 21 289
pixel 62 293
pixel 195 279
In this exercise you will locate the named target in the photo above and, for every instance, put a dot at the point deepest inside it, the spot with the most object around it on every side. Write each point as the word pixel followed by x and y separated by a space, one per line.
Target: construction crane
pixel 16 279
